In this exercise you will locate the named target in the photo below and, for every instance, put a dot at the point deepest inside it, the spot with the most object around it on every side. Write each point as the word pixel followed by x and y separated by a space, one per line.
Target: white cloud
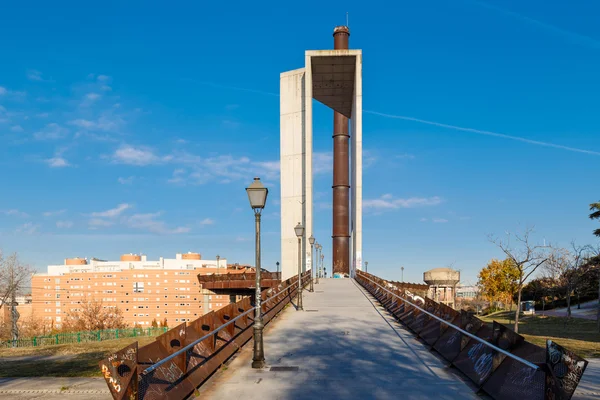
pixel 405 156
pixel 126 181
pixel 92 96
pixel 103 78
pixel 106 88
pixel 28 228
pixel 83 123
pixel 207 221
pixel 147 222
pixel 423 220
pixel 57 162
pixel 439 220
pixel 387 201
pixel 17 128
pixel 96 223
pixel 53 213
pixel 16 213
pixel 34 75
pixel 52 131
pixel 322 162
pixel 3 90
pixel 64 224
pixel 137 156
pixel 113 212
pixel 43 115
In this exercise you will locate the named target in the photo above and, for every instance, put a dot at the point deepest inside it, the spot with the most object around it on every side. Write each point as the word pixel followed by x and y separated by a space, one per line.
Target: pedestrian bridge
pixel 354 338
pixel 343 346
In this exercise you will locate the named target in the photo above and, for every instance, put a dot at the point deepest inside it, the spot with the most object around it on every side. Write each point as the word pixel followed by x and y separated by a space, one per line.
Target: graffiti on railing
pixel 496 359
pixel 202 346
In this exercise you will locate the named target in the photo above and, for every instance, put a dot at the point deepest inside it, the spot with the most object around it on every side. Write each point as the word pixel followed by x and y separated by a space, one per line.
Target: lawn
pixel 578 335
pixel 79 359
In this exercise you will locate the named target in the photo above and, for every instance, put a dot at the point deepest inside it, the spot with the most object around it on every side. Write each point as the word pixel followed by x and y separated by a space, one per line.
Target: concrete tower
pixel 334 78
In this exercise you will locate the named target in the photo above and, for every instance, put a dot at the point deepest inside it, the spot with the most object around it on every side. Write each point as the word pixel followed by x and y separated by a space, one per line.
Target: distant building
pixel 442 284
pixel 143 289
pixel 467 292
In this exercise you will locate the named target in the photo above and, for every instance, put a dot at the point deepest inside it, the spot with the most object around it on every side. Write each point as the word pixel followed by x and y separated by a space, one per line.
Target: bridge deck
pixel 345 346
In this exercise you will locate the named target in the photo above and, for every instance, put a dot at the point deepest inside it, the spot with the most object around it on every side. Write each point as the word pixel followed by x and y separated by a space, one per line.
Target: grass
pixel 73 360
pixel 578 335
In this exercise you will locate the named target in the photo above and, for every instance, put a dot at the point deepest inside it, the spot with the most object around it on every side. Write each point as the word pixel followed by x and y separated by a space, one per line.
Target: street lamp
pixel 299 229
pixel 366 266
pixel 318 271
pixel 311 240
pixel 402 268
pixel 218 258
pixel 257 194
pixel 322 266
pixel 277 264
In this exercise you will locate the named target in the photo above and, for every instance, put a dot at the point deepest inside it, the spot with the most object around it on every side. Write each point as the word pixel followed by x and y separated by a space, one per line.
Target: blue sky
pixel 135 127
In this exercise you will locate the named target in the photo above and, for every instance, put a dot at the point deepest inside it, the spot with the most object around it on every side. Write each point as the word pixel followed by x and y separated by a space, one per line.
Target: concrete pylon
pixel 334 78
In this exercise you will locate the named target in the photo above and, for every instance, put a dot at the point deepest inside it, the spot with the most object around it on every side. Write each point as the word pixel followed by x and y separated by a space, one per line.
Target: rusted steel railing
pixel 498 360
pixel 184 357
pixel 244 276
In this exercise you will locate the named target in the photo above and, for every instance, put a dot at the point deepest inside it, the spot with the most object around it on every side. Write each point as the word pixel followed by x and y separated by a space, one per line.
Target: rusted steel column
pixel 341 176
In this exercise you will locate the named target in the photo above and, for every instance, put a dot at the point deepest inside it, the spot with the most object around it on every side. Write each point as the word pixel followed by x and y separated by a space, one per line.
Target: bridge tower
pixel 334 78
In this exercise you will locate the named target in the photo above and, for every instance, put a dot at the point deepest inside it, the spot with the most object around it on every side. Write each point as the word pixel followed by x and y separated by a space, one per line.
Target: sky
pixel 135 127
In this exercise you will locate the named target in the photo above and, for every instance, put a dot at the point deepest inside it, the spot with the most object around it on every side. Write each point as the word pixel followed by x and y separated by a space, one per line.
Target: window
pixel 58 295
pixel 138 287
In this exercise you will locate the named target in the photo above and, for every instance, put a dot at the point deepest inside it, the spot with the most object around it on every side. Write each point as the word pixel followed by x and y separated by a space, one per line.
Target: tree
pixel 154 323
pixel 526 256
pixel 565 267
pixel 498 281
pixel 92 316
pixel 13 277
pixel 595 208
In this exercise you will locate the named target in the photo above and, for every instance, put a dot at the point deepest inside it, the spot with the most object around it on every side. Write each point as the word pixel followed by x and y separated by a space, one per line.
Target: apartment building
pixel 144 290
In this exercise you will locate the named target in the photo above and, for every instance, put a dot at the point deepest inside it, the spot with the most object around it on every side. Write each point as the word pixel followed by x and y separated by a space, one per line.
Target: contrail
pixel 575 37
pixel 422 121
pixel 487 133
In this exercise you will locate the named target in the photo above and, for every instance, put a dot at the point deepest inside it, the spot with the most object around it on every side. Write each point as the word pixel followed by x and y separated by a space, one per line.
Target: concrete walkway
pixel 345 347
pixel 54 388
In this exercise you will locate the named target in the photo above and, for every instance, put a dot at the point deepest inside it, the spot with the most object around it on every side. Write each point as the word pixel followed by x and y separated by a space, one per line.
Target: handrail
pixel 498 349
pixel 195 342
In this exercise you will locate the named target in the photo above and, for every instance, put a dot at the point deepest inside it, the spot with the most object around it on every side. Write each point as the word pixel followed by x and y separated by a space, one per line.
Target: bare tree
pixel 565 267
pixel 94 315
pixel 526 256
pixel 13 277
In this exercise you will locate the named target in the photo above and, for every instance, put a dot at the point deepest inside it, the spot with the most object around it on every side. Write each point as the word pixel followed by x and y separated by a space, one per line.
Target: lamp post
pixel 257 194
pixel 318 270
pixel 323 272
pixel 366 266
pixel 311 240
pixel 402 268
pixel 218 258
pixel 277 264
pixel 299 229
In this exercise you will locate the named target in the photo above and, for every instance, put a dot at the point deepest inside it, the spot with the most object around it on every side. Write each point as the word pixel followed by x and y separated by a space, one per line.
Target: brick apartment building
pixel 144 290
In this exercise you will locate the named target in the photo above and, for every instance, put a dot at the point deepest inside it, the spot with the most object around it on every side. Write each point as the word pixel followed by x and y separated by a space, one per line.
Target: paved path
pixel 345 347
pixel 588 310
pixel 54 388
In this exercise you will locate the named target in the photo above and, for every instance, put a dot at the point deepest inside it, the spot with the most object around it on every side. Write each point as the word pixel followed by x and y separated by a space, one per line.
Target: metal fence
pixel 497 360
pixel 82 337
pixel 182 358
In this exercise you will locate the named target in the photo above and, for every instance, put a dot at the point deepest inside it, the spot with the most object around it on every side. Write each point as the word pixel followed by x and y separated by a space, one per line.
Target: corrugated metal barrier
pixel 497 360
pixel 181 359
